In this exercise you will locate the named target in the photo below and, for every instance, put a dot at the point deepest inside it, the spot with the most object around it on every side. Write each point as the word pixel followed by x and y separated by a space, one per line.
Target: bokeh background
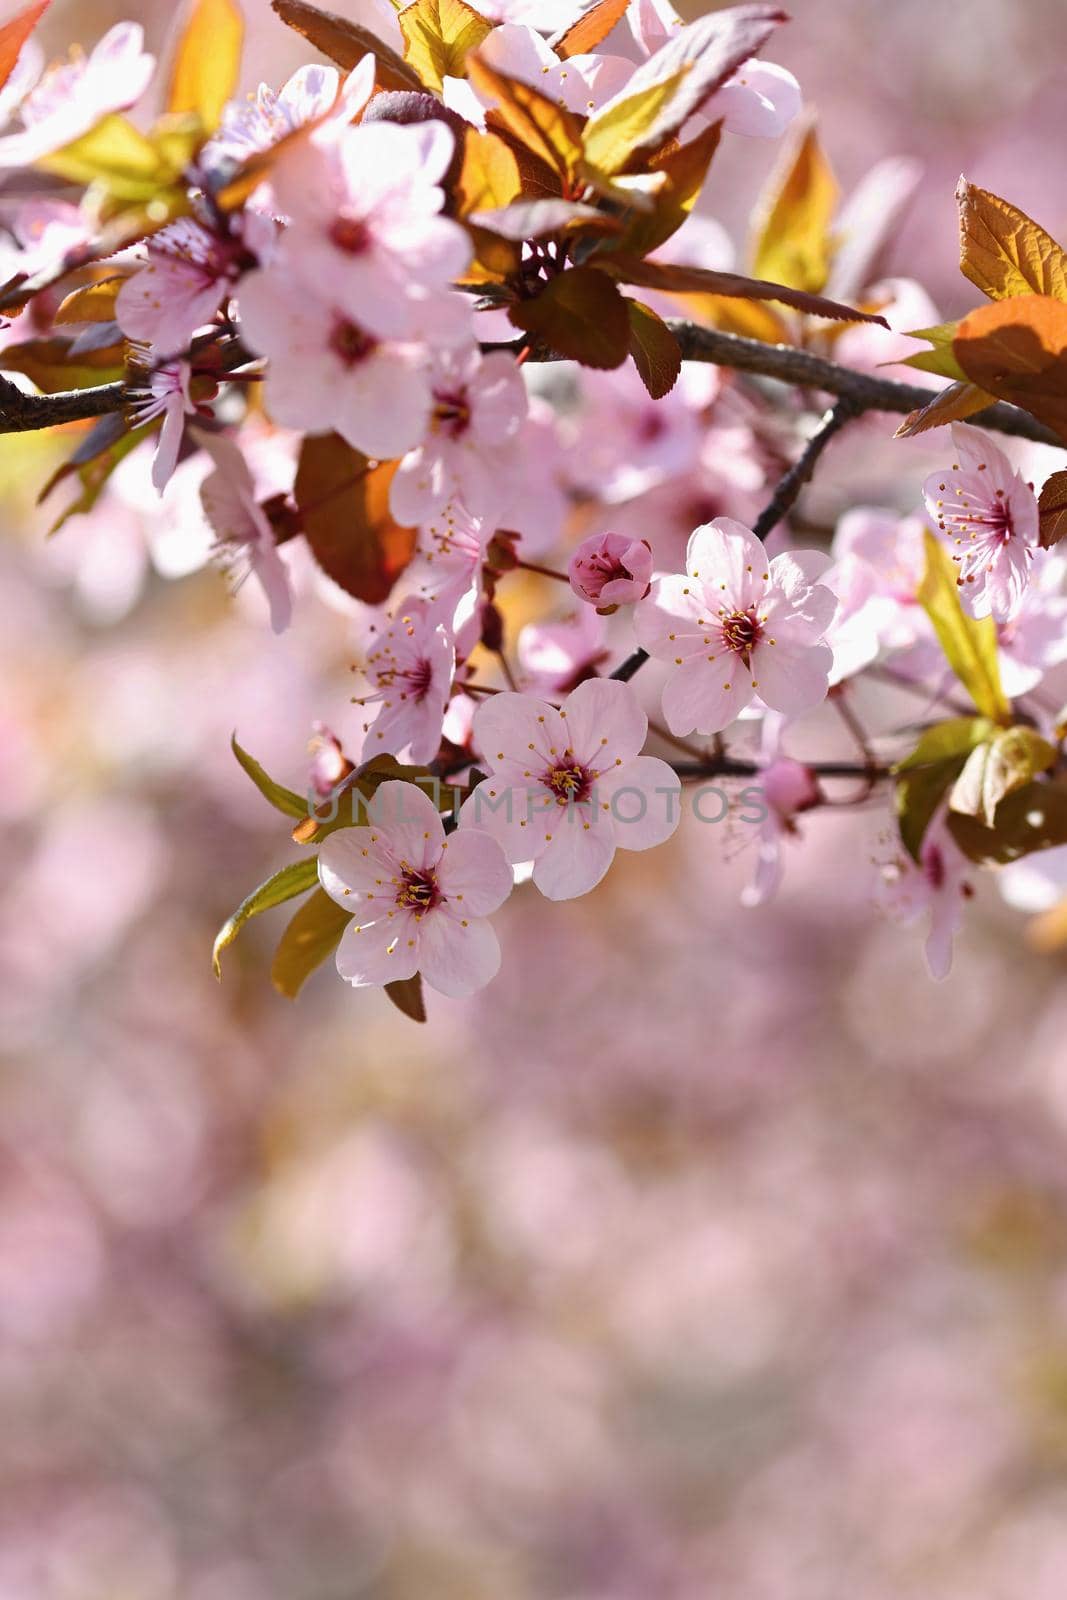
pixel 709 1252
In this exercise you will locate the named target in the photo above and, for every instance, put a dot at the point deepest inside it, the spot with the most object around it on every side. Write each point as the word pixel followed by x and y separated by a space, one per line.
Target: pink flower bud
pixel 790 787
pixel 608 570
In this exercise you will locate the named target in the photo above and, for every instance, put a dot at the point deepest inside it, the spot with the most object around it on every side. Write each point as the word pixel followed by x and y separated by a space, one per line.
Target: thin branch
pixel 730 767
pixel 789 486
pixel 804 370
pixel 26 413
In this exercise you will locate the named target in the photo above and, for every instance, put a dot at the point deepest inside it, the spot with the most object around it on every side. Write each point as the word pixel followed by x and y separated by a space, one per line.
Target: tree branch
pixel 26 413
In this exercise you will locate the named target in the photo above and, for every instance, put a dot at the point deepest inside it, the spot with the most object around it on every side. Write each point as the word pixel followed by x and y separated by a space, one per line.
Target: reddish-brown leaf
pixel 344 504
pixel 954 404
pixel 581 315
pixel 13 36
pixel 699 280
pixel 656 352
pixel 1017 349
pixel 1052 504
pixel 347 43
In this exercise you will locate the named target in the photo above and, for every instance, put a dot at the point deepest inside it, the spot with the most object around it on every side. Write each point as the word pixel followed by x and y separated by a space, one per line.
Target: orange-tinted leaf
pixel 667 89
pixel 93 302
pixel 1003 251
pixel 1052 504
pixel 685 168
pixel 656 352
pixel 310 938
pixel 954 404
pixel 50 364
pixel 438 37
pixel 1017 349
pixel 13 36
pixel 344 504
pixel 795 244
pixel 590 30
pixel 489 176
pixel 347 43
pixel 549 131
pixel 207 62
pixel 700 280
pixel 581 315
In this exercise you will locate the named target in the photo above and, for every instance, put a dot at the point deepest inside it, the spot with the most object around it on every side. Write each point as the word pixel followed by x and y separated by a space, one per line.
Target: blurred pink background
pixel 709 1252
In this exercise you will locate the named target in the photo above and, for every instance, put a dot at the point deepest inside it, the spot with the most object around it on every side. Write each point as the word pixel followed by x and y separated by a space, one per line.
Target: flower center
pixel 351 235
pixel 415 678
pixel 349 342
pixel 569 782
pixel 418 892
pixel 740 631
pixel 452 412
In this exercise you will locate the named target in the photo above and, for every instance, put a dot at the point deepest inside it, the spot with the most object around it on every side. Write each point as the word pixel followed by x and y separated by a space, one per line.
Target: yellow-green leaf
pixel 295 879
pixel 312 936
pixel 284 800
pixel 795 245
pixel 207 62
pixel 489 176
pixel 93 302
pixel 940 358
pixel 667 89
pixel 1003 251
pixel 970 646
pixel 438 37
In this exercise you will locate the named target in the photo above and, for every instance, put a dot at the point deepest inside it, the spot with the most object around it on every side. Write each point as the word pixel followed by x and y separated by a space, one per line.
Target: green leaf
pixel 946 740
pixel 581 315
pixel 438 37
pixel 282 799
pixel 295 879
pixel 406 994
pixel 312 935
pixel 924 776
pixel 998 767
pixel 970 646
pixel 656 352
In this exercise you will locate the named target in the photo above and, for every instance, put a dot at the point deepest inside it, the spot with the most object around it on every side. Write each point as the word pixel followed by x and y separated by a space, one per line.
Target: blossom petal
pixel 605 723
pixel 576 860
pixel 521 727
pixel 457 957
pixel 644 797
pixel 792 680
pixel 474 870
pixel 705 697
pixel 379 952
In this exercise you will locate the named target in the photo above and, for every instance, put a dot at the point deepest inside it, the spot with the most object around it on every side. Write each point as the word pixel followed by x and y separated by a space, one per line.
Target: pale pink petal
pixel 575 860
pixel 474 871
pixel 792 680
pixel 521 727
pixel 350 866
pixel 454 959
pixel 605 723
pixel 381 952
pixel 645 801
pixel 705 697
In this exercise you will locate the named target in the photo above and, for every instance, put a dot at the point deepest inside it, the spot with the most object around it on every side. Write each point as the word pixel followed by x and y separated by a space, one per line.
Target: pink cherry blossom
pixel 989 518
pixel 1034 640
pixel 939 883
pixel 364 207
pixel 479 404
pixel 419 901
pixel 327 371
pixel 189 272
pixel 329 765
pixel 789 788
pixel 555 657
pixel 408 665
pixel 245 536
pixel 269 115
pixel 610 570
pixel 581 83
pixel 737 624
pixel 446 566
pixel 74 95
pixel 165 394
pixel 567 788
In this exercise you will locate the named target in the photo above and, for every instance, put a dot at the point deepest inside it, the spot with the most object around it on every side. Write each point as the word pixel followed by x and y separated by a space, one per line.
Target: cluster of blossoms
pixel 392 253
